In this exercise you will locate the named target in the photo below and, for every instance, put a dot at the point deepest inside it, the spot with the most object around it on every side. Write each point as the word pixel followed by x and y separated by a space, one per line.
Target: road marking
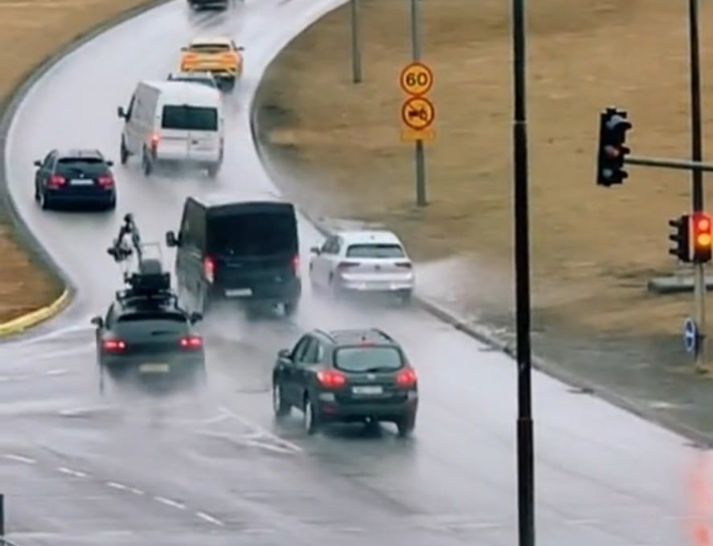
pixel 135 491
pixel 19 458
pixel 266 433
pixel 209 518
pixel 269 447
pixel 75 473
pixel 581 521
pixel 56 372
pixel 169 502
pixel 115 485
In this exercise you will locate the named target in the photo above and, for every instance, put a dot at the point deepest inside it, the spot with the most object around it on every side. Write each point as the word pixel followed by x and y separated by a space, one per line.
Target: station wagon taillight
pixel 330 379
pixel 209 269
pixel 106 181
pixel 191 343
pixel 406 378
pixel 113 346
pixel 56 181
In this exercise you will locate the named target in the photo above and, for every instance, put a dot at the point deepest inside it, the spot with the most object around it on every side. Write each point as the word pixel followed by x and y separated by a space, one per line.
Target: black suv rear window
pixel 190 118
pixel 368 358
pixel 87 165
pixel 147 321
pixel 258 234
pixel 375 251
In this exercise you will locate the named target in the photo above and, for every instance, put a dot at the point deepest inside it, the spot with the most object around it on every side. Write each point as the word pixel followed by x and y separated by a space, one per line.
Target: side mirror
pixel 37 163
pixel 315 250
pixel 97 321
pixel 171 239
pixel 120 112
pixel 284 354
pixel 196 317
pixel 109 163
pixel 240 48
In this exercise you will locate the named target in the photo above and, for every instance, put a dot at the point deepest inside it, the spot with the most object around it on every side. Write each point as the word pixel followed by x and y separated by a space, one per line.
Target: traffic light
pixel 612 137
pixel 702 229
pixel 680 237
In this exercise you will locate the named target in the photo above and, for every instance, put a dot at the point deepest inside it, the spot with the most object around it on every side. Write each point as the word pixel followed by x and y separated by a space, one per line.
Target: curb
pixel 27 239
pixel 482 334
pixel 28 320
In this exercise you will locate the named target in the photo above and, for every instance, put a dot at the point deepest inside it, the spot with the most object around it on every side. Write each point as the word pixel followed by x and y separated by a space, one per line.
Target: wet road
pixel 80 469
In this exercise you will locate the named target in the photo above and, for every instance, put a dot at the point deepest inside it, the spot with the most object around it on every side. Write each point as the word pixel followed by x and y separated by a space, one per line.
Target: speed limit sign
pixel 416 79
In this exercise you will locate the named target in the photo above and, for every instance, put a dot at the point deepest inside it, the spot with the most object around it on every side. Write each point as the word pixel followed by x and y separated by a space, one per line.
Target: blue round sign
pixel 690 336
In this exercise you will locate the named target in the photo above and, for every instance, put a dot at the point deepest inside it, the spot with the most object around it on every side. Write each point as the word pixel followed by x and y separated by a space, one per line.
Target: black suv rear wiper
pixel 377 369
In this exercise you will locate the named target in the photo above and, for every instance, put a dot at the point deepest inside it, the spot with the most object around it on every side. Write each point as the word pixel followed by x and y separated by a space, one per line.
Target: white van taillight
pixel 209 269
pixel 155 138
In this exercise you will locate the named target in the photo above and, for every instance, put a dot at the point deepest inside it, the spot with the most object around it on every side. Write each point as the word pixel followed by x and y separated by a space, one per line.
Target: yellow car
pixel 219 56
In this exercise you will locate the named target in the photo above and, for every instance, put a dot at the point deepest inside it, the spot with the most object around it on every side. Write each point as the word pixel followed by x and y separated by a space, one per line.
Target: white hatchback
pixel 363 262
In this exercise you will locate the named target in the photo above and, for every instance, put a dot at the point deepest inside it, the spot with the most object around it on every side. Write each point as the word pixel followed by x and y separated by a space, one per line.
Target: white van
pixel 173 122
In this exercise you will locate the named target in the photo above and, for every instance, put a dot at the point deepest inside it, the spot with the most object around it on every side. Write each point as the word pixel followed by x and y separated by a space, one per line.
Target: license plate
pixel 238 292
pixel 371 389
pixel 154 368
pixel 82 182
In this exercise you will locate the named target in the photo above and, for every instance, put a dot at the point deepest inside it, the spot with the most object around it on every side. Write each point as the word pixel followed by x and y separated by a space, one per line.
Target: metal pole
pixel 697 175
pixel 525 441
pixel 356 43
pixel 420 152
pixel 2 515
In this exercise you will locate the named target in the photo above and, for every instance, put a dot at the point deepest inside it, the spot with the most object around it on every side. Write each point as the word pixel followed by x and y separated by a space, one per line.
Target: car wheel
pixel 291 307
pixel 44 201
pixel 279 406
pixel 112 204
pixel 310 419
pixel 406 425
pixel 213 170
pixel 146 164
pixel 123 153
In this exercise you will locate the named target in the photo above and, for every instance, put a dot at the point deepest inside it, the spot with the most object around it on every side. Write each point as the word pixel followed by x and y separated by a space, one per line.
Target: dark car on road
pixel 209 4
pixel 346 376
pixel 149 339
pixel 75 177
pixel 245 252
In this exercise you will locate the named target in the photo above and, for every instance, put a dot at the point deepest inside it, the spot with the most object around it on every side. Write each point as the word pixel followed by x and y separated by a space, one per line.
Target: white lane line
pixel 266 433
pixel 269 447
pixel 115 485
pixel 209 518
pixel 135 491
pixel 75 473
pixel 169 502
pixel 581 521
pixel 19 458
pixel 57 372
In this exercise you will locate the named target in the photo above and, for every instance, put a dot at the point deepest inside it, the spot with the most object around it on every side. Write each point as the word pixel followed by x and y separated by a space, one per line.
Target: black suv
pixel 75 177
pixel 241 251
pixel 147 336
pixel 209 4
pixel 346 376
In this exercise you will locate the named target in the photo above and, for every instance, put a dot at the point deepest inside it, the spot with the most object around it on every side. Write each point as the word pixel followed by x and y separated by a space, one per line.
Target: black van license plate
pixel 238 292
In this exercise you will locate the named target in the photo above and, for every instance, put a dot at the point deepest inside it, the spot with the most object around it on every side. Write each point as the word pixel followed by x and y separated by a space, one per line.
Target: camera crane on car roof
pixel 150 284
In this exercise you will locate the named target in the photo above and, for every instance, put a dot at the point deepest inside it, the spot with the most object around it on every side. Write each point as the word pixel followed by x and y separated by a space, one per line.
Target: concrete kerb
pixel 28 239
pixel 482 334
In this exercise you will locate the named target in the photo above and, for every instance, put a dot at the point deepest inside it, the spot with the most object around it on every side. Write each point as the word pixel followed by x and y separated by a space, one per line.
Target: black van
pixel 247 251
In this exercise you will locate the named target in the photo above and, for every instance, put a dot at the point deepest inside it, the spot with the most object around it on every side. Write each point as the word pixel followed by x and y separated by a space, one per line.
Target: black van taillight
pixel 296 265
pixel 209 269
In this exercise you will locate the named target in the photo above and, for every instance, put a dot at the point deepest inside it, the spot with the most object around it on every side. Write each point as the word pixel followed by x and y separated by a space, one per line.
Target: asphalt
pixel 212 467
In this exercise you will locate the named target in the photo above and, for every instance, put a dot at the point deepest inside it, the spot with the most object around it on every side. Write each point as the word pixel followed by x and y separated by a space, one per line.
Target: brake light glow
pixel 191 342
pixel 155 138
pixel 113 345
pixel 106 182
pixel 296 265
pixel 330 379
pixel 406 378
pixel 209 269
pixel 56 181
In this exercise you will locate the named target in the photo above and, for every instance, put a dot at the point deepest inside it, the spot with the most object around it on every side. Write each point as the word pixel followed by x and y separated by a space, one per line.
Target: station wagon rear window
pixel 365 358
pixel 190 118
pixel 210 48
pixel 375 251
pixel 148 323
pixel 87 165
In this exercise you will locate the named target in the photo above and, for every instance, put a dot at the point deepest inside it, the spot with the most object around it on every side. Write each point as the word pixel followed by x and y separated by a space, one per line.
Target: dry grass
pixel 593 249
pixel 31 31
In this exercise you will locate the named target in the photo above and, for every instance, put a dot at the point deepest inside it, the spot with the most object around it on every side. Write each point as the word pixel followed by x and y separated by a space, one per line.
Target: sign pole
pixel 525 441
pixel 420 152
pixel 697 176
pixel 356 42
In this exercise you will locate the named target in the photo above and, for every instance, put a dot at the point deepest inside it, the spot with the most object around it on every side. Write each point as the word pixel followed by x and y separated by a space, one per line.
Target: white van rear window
pixel 190 118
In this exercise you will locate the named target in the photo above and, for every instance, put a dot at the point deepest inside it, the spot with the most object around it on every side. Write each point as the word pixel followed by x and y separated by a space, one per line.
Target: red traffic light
pixel 702 237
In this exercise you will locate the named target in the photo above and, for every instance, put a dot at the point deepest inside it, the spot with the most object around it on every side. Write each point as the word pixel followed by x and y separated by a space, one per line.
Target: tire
pixel 111 205
pixel 123 152
pixel 44 200
pixel 279 406
pixel 406 425
pixel 310 420
pixel 146 164
pixel 291 307
pixel 213 170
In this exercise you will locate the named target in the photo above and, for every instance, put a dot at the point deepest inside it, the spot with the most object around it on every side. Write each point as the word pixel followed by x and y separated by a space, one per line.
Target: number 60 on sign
pixel 416 79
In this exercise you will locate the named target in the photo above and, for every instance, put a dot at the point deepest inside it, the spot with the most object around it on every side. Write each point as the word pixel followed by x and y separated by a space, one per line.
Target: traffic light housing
pixel 613 126
pixel 702 239
pixel 680 237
